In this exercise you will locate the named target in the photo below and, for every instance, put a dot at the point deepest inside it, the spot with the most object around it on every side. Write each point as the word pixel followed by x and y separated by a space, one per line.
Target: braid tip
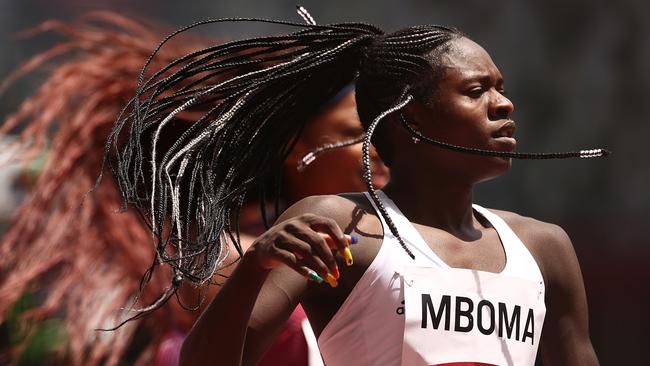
pixel 302 11
pixel 594 153
pixel 306 160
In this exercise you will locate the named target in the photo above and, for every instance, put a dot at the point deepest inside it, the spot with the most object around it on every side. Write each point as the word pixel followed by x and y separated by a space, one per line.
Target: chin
pixel 502 165
pixel 507 162
pixel 498 167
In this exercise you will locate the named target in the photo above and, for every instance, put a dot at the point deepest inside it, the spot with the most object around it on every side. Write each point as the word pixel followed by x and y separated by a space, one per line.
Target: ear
pixel 415 113
pixel 299 150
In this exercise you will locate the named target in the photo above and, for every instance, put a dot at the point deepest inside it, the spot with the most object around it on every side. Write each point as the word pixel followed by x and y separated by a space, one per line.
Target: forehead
pixel 468 60
pixel 338 117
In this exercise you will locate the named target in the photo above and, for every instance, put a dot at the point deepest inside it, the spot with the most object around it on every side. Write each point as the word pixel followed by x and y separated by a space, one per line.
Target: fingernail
pixel 331 280
pixel 315 277
pixel 352 239
pixel 347 254
pixel 336 272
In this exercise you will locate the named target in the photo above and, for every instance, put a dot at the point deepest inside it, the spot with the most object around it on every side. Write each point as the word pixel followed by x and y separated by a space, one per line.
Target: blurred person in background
pixel 81 264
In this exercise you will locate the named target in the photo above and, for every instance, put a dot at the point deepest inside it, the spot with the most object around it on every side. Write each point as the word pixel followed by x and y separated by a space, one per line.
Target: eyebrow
pixel 483 78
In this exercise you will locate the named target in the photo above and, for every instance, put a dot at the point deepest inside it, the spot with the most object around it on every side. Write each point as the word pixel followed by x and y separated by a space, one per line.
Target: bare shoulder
pixel 340 208
pixel 565 340
pixel 548 243
pixel 546 234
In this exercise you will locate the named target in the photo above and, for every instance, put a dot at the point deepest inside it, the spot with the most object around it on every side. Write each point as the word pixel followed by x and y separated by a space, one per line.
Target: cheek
pixel 460 123
pixel 341 168
pixel 344 161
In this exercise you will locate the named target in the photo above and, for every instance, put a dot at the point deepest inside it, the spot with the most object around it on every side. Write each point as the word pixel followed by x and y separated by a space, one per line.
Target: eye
pixel 353 133
pixel 475 92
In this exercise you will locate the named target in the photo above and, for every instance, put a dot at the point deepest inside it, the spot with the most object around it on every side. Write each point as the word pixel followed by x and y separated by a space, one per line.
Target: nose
pixel 374 155
pixel 500 106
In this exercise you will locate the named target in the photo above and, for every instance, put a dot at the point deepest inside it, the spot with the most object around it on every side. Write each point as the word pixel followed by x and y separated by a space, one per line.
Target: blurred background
pixel 577 72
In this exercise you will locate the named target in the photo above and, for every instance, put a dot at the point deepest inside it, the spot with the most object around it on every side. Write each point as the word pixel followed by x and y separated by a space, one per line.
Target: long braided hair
pixel 191 192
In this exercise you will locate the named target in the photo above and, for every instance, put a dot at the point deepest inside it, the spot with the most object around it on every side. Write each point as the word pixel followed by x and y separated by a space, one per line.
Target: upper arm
pixel 283 288
pixel 565 338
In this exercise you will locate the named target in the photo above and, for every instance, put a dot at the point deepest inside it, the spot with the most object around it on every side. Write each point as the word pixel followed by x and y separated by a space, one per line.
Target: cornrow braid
pixel 249 101
pixel 372 81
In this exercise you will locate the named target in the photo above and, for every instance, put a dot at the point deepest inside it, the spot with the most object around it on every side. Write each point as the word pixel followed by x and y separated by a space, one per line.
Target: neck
pixel 444 204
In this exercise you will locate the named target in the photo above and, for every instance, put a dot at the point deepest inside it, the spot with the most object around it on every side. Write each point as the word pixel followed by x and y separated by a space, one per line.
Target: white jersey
pixel 420 311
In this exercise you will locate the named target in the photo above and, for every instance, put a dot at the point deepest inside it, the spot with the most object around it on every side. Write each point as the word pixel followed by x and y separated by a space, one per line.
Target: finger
pixel 313 276
pixel 330 227
pixel 305 253
pixel 316 264
pixel 346 253
pixel 319 247
pixel 290 260
pixel 318 279
pixel 351 240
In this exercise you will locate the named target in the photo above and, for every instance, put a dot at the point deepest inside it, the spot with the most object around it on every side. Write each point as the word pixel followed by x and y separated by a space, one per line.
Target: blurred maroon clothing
pixel 289 349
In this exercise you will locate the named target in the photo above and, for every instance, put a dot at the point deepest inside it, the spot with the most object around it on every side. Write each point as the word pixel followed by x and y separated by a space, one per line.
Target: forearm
pixel 219 334
pixel 574 354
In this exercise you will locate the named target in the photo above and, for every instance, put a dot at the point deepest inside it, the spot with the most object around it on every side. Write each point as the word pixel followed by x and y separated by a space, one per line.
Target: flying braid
pixel 251 99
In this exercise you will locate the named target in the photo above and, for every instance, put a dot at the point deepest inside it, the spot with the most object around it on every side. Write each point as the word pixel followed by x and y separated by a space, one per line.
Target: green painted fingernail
pixel 314 276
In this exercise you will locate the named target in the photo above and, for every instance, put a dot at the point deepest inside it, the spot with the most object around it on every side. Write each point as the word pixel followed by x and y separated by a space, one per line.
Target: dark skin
pixel 468 108
pixel 337 170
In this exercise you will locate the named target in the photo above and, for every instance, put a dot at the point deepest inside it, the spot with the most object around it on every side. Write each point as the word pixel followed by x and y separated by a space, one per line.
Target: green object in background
pixel 41 339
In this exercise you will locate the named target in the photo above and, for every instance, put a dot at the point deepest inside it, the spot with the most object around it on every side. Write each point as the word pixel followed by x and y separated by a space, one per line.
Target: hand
pixel 304 243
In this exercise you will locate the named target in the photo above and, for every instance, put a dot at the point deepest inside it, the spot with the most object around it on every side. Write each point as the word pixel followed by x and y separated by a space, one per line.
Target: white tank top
pixel 452 315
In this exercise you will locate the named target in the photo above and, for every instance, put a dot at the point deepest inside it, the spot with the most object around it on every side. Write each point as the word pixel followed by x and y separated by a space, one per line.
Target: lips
pixel 504 135
pixel 507 129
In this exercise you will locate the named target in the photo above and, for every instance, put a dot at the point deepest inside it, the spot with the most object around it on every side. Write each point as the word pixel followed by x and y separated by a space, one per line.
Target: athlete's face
pixel 468 108
pixel 338 170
